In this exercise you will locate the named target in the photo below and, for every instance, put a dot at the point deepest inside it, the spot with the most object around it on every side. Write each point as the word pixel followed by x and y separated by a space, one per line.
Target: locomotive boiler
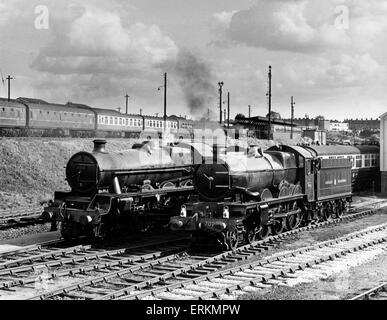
pixel 244 197
pixel 256 175
pixel 87 173
pixel 131 189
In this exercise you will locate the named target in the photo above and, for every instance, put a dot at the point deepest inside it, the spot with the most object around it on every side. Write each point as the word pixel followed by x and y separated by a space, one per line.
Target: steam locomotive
pixel 131 189
pixel 242 197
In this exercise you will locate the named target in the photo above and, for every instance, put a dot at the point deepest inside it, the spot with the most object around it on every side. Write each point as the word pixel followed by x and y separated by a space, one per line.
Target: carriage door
pixel 309 179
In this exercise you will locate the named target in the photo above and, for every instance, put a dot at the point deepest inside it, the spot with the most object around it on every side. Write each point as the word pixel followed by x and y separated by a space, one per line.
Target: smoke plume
pixel 198 83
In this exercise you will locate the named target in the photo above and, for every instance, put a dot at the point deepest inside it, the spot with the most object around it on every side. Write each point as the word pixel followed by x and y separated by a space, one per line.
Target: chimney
pixel 99 145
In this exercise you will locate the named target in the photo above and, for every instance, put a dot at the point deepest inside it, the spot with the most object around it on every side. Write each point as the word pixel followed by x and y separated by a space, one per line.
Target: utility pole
pixel 9 78
pixel 269 97
pixel 165 101
pixel 220 84
pixel 127 100
pixel 249 111
pixel 225 115
pixel 292 103
pixel 228 110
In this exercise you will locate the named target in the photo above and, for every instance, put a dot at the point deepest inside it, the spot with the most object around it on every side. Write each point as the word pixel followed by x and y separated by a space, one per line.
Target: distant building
pixel 317 136
pixel 318 123
pixel 363 124
pixel 339 127
pixel 259 128
pixel 383 152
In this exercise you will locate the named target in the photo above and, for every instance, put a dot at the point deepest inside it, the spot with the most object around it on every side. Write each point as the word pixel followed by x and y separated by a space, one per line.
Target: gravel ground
pixel 349 279
pixel 15 233
pixel 344 284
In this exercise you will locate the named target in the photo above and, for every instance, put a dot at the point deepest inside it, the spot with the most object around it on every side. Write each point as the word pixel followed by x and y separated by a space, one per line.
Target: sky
pixel 330 55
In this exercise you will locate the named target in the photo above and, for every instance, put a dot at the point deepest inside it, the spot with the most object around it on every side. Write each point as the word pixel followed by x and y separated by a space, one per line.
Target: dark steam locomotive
pixel 243 197
pixel 132 188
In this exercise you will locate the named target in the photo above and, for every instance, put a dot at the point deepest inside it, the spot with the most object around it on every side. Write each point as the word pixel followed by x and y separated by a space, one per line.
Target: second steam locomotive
pixel 243 197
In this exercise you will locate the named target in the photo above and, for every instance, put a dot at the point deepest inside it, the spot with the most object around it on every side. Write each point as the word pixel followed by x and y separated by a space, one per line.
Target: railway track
pixel 255 276
pixel 376 293
pixel 178 268
pixel 23 270
pixel 20 217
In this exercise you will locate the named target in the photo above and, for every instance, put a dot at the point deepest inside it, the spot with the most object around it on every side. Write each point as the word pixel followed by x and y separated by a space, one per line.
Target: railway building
pixel 383 152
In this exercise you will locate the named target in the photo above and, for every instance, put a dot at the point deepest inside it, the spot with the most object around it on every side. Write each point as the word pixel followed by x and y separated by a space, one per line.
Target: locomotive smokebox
pixel 99 145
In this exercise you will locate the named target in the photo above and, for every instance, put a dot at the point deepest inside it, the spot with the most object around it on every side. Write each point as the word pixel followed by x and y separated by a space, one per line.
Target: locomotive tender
pixel 134 188
pixel 243 197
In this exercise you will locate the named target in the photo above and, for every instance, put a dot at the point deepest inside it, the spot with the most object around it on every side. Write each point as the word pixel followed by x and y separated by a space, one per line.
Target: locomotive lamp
pixel 226 212
pixel 183 212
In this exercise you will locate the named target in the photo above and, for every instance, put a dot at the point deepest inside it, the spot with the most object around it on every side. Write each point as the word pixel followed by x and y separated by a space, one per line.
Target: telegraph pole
pixel 127 100
pixel 292 103
pixel 220 84
pixel 165 101
pixel 228 110
pixel 269 96
pixel 249 111
pixel 225 115
pixel 9 78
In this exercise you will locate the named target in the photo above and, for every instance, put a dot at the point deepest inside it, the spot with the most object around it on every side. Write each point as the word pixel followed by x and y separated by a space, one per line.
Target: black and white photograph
pixel 193 157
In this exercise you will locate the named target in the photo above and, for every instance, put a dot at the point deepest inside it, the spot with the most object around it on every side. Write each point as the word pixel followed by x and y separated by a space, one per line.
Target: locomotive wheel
pixel 187 183
pixel 325 214
pixel 251 234
pixel 266 195
pixel 232 240
pixel 297 190
pixel 167 185
pixel 293 220
pixel 263 232
pixel 338 209
pixel 278 226
pixel 284 192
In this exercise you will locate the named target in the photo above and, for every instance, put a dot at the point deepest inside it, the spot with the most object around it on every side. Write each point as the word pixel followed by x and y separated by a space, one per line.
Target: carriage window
pixel 120 121
pixel 373 160
pixel 358 161
pixel 368 160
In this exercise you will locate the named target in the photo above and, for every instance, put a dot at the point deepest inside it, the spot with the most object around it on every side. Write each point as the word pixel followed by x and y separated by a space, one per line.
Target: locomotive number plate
pixel 209 224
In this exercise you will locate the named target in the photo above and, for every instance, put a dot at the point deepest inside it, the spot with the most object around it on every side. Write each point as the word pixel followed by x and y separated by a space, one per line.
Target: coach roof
pixel 332 150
